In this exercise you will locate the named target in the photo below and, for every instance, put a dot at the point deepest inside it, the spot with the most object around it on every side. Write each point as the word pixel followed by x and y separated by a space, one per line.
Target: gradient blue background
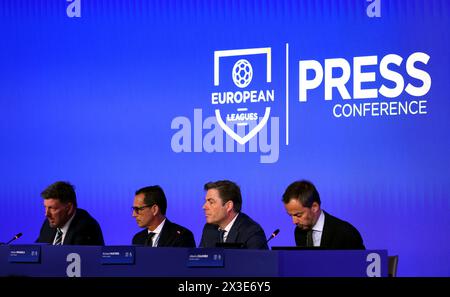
pixel 90 100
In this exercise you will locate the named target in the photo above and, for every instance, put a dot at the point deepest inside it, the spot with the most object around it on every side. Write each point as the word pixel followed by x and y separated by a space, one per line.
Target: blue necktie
pixel 221 235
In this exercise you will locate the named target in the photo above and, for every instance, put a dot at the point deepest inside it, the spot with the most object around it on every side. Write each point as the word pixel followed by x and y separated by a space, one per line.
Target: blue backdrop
pixel 116 95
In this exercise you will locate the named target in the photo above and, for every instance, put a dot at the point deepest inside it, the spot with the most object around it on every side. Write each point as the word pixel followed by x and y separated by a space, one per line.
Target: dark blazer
pixel 336 235
pixel 244 230
pixel 172 235
pixel 84 230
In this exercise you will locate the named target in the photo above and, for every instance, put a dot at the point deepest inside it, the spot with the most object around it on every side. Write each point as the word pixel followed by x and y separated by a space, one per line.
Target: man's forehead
pixel 52 202
pixel 212 194
pixel 295 205
pixel 139 197
pixel 295 212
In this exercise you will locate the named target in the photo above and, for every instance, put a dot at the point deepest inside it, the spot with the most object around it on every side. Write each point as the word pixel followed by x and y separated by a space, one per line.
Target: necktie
pixel 309 238
pixel 58 239
pixel 221 234
pixel 148 241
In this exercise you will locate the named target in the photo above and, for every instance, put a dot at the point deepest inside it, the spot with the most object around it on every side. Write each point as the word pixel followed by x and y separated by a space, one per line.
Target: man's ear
pixel 229 205
pixel 70 207
pixel 155 209
pixel 315 207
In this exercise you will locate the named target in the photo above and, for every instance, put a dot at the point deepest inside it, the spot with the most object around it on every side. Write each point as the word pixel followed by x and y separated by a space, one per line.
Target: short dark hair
pixel 228 191
pixel 62 191
pixel 303 191
pixel 154 195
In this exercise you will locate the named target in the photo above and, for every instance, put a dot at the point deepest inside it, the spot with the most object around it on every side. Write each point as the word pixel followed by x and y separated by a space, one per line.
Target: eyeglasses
pixel 137 209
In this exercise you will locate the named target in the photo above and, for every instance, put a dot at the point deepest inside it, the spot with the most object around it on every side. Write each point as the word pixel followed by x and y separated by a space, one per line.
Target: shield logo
pixel 244 100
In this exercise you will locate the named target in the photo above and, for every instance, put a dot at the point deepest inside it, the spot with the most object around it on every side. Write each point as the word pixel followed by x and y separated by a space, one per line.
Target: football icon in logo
pixel 242 73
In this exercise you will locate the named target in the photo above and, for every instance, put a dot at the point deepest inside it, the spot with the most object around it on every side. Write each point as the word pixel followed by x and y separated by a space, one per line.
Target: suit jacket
pixel 244 230
pixel 172 235
pixel 336 235
pixel 83 230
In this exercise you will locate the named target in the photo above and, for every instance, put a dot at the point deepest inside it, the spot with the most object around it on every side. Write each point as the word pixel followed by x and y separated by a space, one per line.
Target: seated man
pixel 149 210
pixel 66 224
pixel 224 220
pixel 315 227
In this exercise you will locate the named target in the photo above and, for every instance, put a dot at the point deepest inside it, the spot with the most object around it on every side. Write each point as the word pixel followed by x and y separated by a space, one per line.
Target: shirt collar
pixel 320 222
pixel 65 228
pixel 158 229
pixel 228 227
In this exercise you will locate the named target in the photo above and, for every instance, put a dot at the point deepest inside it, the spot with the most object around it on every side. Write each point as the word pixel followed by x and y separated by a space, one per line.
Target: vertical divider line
pixel 287 93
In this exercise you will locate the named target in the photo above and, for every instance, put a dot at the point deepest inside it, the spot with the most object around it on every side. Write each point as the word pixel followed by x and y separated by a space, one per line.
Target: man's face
pixel 143 214
pixel 215 212
pixel 303 217
pixel 57 213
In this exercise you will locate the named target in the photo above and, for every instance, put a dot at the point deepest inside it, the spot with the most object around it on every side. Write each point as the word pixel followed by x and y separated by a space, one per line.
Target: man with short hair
pixel 315 227
pixel 149 210
pixel 66 224
pixel 225 223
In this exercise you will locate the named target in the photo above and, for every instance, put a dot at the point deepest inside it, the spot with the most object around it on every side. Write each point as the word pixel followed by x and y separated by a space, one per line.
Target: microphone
pixel 18 235
pixel 275 233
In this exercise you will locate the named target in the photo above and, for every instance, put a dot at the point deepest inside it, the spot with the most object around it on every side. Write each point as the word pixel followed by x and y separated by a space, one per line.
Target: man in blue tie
pixel 224 220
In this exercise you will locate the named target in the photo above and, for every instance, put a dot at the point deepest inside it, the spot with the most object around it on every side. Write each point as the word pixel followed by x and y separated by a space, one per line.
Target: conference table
pixel 137 261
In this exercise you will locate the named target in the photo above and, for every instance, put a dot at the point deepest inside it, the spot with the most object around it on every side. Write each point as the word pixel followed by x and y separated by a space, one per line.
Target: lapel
pixel 234 231
pixel 327 231
pixel 141 237
pixel 68 239
pixel 164 237
pixel 51 234
pixel 212 236
pixel 302 237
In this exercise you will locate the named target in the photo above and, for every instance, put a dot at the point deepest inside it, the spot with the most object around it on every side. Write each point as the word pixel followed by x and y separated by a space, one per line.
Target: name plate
pixel 205 258
pixel 24 253
pixel 117 255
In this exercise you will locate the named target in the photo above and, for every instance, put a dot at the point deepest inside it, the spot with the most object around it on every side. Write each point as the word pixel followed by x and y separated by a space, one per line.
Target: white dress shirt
pixel 318 229
pixel 228 228
pixel 64 229
pixel 157 232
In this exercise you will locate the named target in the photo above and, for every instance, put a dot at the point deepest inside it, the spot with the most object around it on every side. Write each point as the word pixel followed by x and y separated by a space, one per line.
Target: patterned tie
pixel 148 241
pixel 221 235
pixel 58 239
pixel 309 238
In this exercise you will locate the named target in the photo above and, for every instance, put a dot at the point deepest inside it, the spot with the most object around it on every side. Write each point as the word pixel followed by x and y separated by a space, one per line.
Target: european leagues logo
pixel 241 109
pixel 244 102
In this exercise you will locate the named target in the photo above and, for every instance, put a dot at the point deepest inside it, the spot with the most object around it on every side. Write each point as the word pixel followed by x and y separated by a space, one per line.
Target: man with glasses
pixel 149 210
pixel 65 223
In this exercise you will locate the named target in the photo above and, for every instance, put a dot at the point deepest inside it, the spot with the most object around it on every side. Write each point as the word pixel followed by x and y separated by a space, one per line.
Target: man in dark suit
pixel 66 224
pixel 224 220
pixel 149 210
pixel 315 227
